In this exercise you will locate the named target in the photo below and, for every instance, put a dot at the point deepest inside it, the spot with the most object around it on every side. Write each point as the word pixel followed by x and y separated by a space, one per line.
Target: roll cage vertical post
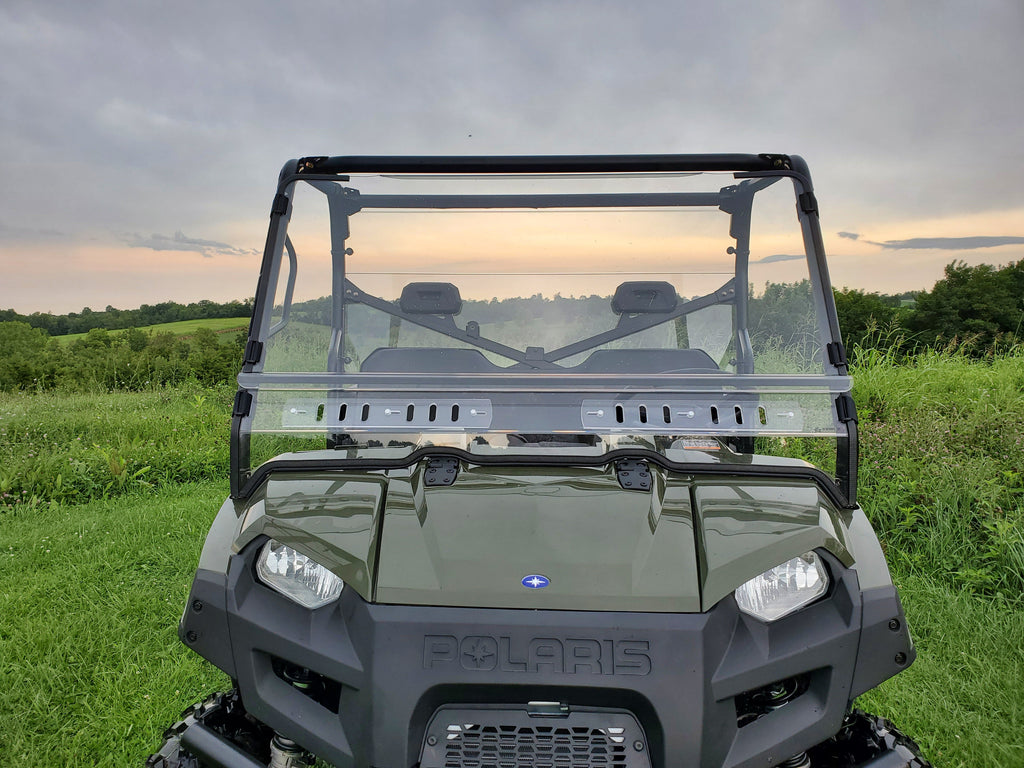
pixel 738 205
pixel 263 305
pixel 847 448
pixel 340 207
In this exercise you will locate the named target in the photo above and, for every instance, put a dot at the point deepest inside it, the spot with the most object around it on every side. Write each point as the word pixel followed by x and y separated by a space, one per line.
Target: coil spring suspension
pixel 797 761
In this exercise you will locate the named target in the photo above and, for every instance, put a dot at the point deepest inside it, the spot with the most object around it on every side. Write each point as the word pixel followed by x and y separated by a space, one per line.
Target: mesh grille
pixel 513 746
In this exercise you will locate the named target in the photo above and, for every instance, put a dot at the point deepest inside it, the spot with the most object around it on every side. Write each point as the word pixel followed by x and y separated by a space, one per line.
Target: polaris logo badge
pixel 535 581
pixel 570 656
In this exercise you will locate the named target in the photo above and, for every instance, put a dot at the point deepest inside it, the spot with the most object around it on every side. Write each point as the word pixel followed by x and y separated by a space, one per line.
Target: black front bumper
pixel 384 672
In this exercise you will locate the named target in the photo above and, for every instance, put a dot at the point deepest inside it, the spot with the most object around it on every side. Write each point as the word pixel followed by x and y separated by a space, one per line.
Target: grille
pixel 510 746
pixel 492 738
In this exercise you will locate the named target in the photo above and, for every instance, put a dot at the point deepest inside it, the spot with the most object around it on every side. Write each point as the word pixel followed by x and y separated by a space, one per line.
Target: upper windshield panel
pixel 581 278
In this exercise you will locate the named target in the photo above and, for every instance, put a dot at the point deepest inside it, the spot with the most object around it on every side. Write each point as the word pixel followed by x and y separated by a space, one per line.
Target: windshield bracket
pixel 441 470
pixel 633 474
pixel 253 352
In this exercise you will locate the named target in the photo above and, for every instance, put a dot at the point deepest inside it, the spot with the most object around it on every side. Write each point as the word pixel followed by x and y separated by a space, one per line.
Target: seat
pixel 427 360
pixel 646 361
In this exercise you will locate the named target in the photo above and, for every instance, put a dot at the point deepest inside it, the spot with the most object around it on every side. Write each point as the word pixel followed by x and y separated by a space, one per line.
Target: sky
pixel 142 141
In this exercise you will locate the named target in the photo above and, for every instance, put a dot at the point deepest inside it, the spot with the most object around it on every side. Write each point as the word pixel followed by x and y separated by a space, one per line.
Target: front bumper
pixel 384 672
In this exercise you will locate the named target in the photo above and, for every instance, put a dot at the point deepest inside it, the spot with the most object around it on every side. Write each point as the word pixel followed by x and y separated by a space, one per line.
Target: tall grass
pixel 942 470
pixel 942 455
pixel 72 448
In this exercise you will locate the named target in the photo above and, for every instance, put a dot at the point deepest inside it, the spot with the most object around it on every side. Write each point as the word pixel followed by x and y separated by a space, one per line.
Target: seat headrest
pixel 430 299
pixel 644 296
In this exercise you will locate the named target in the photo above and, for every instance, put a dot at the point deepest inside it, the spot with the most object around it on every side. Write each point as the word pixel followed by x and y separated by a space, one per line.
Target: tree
pixel 135 339
pixel 21 355
pixel 981 303
pixel 861 312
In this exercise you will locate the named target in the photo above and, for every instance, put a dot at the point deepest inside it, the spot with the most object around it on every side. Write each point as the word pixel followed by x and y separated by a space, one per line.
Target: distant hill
pixel 113 319
pixel 182 328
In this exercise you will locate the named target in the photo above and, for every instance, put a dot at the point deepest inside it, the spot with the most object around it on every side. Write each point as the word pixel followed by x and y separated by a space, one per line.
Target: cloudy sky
pixel 142 141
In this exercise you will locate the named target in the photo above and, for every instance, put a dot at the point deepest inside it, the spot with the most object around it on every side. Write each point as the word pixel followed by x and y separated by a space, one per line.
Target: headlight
pixel 296 576
pixel 783 589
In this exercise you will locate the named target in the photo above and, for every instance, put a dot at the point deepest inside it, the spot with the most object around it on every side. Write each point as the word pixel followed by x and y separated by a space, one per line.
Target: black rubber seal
pixel 811 474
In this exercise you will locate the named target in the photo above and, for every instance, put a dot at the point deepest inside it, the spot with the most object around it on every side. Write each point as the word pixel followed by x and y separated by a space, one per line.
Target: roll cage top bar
pixel 546 164
pixel 750 166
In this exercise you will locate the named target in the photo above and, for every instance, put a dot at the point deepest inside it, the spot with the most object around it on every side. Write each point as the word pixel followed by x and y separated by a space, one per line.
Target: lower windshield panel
pixel 701 426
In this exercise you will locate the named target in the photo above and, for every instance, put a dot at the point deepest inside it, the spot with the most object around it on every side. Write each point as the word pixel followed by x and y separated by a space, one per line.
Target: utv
pixel 543 462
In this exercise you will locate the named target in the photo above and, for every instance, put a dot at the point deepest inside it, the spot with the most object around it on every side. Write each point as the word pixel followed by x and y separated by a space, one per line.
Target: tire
pixel 223 713
pixel 864 738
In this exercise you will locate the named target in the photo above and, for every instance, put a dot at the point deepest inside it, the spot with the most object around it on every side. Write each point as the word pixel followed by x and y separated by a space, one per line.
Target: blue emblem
pixel 535 581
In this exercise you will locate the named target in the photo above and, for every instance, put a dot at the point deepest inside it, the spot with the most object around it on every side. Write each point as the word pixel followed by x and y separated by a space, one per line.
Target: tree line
pixel 131 359
pixel 978 309
pixel 113 319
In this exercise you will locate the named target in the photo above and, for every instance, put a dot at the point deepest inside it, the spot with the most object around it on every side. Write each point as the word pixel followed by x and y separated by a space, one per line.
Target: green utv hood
pixel 680 547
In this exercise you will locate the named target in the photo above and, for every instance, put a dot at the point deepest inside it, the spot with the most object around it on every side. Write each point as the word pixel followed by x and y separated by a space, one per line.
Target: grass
pixel 180 328
pixel 942 470
pixel 76 447
pixel 90 662
pixel 961 700
pixel 98 562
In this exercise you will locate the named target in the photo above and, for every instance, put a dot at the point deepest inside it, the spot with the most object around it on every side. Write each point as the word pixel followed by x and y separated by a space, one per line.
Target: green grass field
pixel 89 656
pixel 180 328
pixel 98 554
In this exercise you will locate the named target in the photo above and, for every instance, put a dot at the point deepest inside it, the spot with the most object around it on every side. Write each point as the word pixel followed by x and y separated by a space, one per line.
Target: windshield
pixel 528 273
pixel 578 312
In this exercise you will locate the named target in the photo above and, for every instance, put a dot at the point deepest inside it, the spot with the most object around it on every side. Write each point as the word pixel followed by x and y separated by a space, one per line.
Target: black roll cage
pixel 754 172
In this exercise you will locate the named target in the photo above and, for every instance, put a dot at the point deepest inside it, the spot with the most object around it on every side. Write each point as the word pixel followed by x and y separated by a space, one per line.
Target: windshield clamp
pixel 253 352
pixel 836 353
pixel 243 402
pixel 846 409
pixel 633 474
pixel 280 205
pixel 441 470
pixel 808 203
